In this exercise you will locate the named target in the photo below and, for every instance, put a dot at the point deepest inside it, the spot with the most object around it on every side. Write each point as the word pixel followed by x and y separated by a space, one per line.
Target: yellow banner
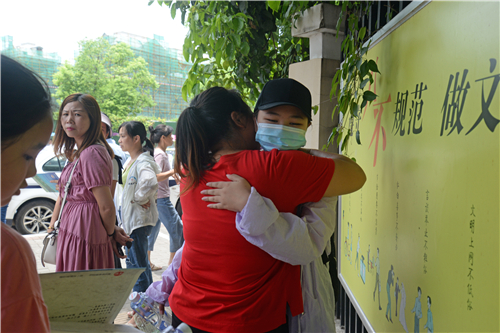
pixel 420 241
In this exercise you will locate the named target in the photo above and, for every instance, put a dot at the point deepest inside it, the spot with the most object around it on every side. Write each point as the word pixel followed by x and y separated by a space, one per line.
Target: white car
pixel 31 211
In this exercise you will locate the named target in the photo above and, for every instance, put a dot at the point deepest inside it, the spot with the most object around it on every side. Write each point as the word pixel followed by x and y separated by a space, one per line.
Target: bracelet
pixel 50 228
pixel 114 232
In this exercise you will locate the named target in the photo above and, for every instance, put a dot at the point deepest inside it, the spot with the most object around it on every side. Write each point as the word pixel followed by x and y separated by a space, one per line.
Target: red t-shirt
pixel 225 283
pixel 23 309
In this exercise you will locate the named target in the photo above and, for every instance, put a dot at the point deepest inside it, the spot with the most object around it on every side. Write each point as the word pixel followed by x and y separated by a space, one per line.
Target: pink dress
pixel 83 242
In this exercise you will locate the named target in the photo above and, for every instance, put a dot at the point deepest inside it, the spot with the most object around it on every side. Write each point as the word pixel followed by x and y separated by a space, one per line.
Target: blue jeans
pixel 137 257
pixel 172 222
pixel 4 213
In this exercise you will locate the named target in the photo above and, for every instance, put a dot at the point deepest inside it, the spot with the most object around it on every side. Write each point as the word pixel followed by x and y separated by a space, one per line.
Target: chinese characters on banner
pixel 409 119
pixel 426 235
pixel 470 276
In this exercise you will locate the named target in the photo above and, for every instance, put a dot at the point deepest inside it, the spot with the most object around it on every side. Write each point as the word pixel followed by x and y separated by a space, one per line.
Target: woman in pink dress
pixel 88 217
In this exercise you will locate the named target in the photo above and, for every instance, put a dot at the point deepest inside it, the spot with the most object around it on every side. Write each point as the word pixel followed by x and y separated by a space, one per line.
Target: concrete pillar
pixel 318 23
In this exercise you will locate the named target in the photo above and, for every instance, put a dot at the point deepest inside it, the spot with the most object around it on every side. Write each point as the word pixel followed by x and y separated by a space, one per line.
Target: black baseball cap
pixel 285 92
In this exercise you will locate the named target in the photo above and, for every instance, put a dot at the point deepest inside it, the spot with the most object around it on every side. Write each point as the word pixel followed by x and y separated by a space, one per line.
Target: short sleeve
pixel 300 175
pixel 96 167
pixel 162 160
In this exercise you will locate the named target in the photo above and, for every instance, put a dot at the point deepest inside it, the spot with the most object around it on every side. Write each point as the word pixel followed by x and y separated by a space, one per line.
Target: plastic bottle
pixel 149 310
pixel 142 305
pixel 182 328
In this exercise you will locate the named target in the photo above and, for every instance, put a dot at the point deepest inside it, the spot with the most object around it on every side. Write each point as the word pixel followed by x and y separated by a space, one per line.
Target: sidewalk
pixel 159 257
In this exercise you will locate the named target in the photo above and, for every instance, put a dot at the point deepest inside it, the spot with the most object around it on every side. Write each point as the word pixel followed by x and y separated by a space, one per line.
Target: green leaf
pixel 230 50
pixel 346 140
pixel 358 139
pixel 364 69
pixel 274 5
pixel 245 48
pixel 236 39
pixel 372 65
pixel 369 96
pixel 364 103
pixel 173 10
pixel 362 33
pixel 238 24
pixel 363 51
pixel 315 109
pixel 363 83
pixel 355 109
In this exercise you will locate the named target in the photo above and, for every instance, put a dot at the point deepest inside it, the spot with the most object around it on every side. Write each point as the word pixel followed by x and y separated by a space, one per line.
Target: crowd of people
pixel 251 253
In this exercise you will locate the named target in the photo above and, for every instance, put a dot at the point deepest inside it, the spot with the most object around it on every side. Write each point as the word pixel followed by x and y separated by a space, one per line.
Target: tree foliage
pixel 239 44
pixel 353 76
pixel 119 81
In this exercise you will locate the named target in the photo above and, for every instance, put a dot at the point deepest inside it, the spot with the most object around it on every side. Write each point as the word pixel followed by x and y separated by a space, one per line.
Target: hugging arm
pixel 285 236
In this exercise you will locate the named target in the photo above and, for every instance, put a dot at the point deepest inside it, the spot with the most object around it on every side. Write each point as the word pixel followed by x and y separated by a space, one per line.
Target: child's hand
pixel 231 195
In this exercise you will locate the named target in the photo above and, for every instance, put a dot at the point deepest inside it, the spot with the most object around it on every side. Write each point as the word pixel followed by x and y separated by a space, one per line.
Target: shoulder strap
pixel 66 190
pixel 120 168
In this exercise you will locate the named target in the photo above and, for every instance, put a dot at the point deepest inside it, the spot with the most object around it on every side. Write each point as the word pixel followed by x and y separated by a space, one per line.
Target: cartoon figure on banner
pixel 356 261
pixel 350 251
pixel 490 121
pixel 377 279
pixel 402 307
pixel 417 309
pixel 368 259
pixel 363 269
pixel 346 243
pixel 390 281
pixel 430 324
pixel 396 292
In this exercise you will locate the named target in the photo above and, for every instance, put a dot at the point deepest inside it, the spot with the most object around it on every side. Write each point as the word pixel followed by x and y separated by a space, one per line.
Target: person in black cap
pixel 283 114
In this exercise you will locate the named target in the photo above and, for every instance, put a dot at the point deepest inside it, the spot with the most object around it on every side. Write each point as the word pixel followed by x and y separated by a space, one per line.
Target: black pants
pixel 176 322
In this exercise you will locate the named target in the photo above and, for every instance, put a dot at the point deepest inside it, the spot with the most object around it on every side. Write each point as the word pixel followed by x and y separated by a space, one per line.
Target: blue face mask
pixel 272 136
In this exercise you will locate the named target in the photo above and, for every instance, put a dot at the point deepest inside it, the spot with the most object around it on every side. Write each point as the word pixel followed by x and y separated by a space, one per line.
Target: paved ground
pixel 159 257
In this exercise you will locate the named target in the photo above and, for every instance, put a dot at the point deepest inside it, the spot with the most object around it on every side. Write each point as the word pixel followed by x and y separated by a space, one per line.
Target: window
pixel 55 164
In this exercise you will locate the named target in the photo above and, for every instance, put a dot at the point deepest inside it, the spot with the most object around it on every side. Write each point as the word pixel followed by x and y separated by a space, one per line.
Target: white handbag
pixel 50 241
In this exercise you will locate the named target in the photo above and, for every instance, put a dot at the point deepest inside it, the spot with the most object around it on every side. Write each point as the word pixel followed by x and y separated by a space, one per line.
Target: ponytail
pixel 200 129
pixel 192 155
pixel 149 147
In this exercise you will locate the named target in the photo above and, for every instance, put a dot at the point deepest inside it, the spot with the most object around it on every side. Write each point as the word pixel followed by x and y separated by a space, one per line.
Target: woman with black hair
pixel 161 136
pixel 26 127
pixel 139 213
pixel 225 284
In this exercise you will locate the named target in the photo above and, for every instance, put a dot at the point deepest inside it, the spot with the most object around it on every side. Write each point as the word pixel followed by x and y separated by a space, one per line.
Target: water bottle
pixel 142 305
pixel 182 328
pixel 149 310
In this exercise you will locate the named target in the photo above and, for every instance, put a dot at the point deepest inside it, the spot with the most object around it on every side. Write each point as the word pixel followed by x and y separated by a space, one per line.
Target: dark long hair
pixel 159 131
pixel 134 128
pixel 25 100
pixel 64 144
pixel 201 128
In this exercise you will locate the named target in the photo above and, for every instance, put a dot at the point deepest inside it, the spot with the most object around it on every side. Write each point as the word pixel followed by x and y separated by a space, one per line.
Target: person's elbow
pixel 348 177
